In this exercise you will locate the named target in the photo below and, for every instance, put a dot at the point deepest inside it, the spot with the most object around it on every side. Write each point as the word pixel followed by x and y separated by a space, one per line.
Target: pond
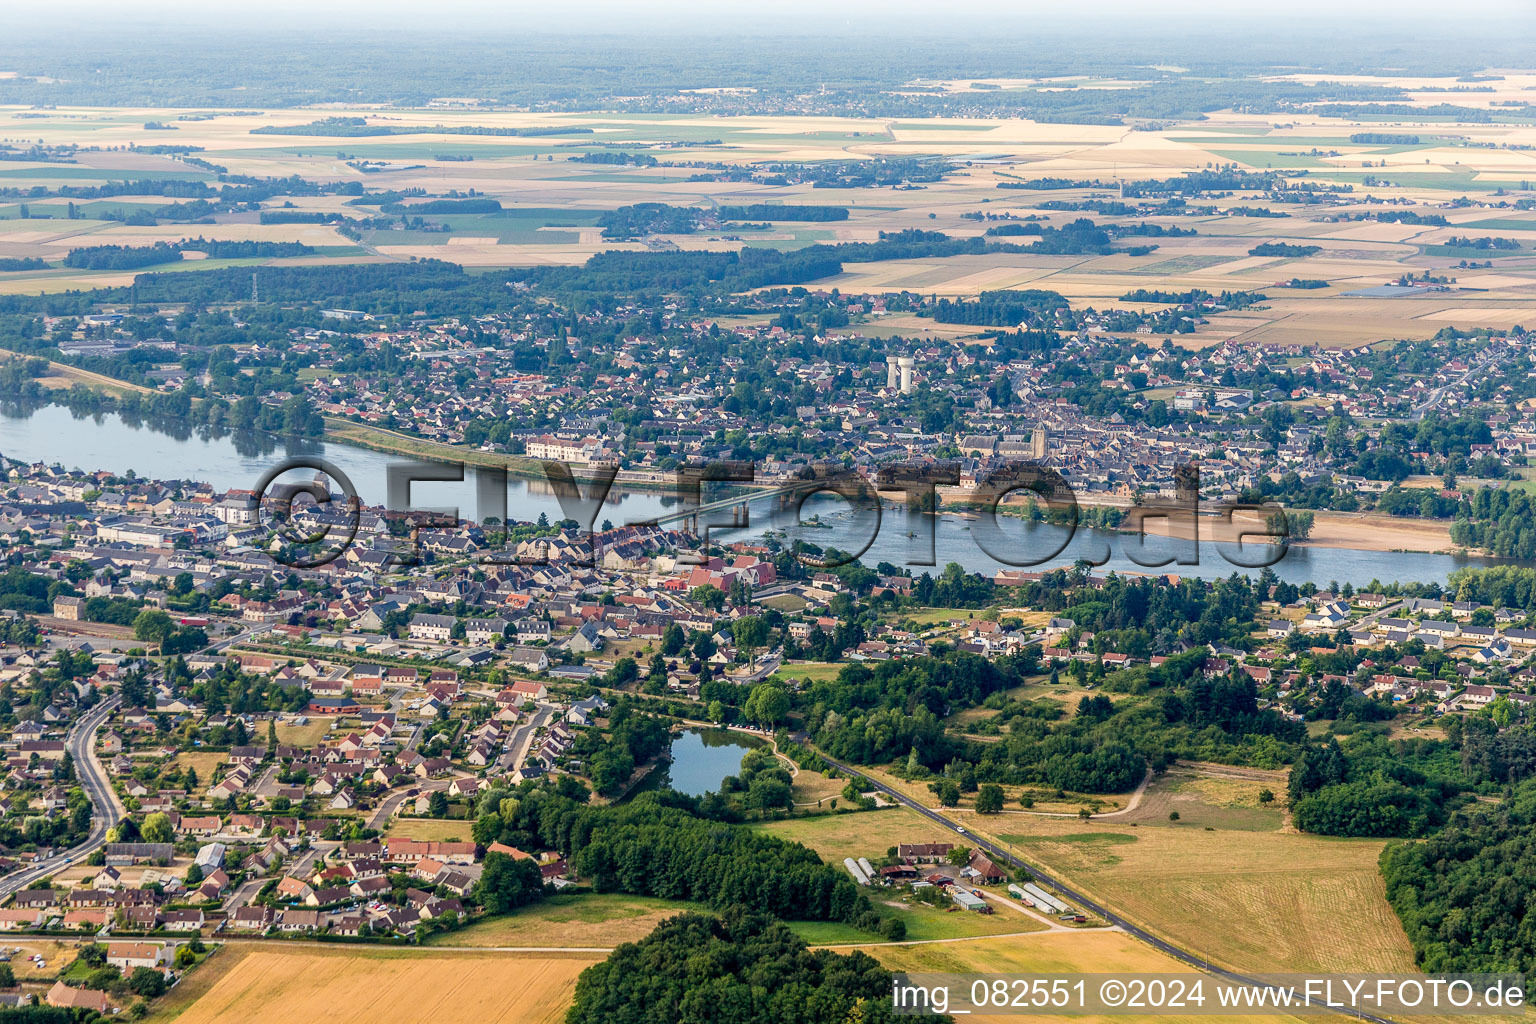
pixel 701 759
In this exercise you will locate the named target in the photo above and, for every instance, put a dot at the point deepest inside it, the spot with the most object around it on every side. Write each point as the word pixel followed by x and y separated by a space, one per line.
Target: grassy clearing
pixel 924 923
pixel 862 834
pixel 203 762
pixel 303 735
pixel 784 602
pixel 588 920
pixel 815 671
pixel 810 787
pixel 430 829
pixel 1201 801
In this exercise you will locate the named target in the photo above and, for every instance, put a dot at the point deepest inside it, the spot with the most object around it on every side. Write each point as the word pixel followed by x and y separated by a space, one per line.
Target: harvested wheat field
pixel 1250 900
pixel 354 987
pixel 1048 953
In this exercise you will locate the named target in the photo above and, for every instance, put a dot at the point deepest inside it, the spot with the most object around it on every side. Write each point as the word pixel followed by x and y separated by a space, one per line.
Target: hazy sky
pixel 722 16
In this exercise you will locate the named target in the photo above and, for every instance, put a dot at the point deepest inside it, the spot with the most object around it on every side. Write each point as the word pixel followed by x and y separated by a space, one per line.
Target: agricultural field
pixel 1095 952
pixel 551 205
pixel 1225 879
pixel 364 987
pixel 1249 900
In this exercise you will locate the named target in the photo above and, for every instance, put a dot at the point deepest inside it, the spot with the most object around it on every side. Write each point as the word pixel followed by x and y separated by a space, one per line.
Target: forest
pixel 732 969
pixel 1463 894
pixel 128 257
pixel 657 845
pixel 1284 249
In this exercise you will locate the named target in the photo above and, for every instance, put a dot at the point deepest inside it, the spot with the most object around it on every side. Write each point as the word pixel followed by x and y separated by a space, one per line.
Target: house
pixel 585 640
pixel 124 854
pixel 251 919
pixel 582 711
pixel 68 608
pixel 528 689
pixel 985 871
pixel 923 853
pixel 182 920
pixel 1478 695
pixel 125 956
pixel 16 919
pixel 298 920
pixel 485 631
pixel 77 998
pixel 529 659
pixel 437 628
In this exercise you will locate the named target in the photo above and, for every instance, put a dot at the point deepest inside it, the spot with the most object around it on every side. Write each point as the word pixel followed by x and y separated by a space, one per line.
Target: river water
pixel 173 451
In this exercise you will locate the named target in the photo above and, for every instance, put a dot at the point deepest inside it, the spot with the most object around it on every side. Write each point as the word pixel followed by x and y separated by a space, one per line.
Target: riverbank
pixel 1354 531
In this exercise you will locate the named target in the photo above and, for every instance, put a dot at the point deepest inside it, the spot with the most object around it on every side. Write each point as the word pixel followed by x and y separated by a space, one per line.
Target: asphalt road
pixel 105 806
pixel 1004 856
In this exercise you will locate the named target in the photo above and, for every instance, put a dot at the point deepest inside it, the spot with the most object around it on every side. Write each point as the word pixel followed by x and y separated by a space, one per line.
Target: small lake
pixel 701 759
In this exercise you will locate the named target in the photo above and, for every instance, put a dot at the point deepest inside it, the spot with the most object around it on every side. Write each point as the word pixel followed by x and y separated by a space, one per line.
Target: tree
pixel 767 793
pixel 7 976
pixel 893 929
pixel 948 793
pixel 152 626
pixel 989 798
pixel 673 640
pixel 1173 815
pixel 750 633
pixel 1266 796
pixel 959 856
pixel 708 595
pixel 146 982
pixel 623 671
pixel 508 882
pixel 486 829
pixel 437 804
pixel 157 828
pixel 767 705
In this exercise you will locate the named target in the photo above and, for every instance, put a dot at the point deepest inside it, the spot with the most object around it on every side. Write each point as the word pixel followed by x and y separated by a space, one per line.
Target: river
pixel 164 451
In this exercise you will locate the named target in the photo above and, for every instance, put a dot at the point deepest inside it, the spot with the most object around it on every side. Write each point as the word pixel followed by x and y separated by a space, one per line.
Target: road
pixel 302 866
pixel 1432 402
pixel 1005 856
pixel 106 808
pixel 391 803
pixel 521 741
